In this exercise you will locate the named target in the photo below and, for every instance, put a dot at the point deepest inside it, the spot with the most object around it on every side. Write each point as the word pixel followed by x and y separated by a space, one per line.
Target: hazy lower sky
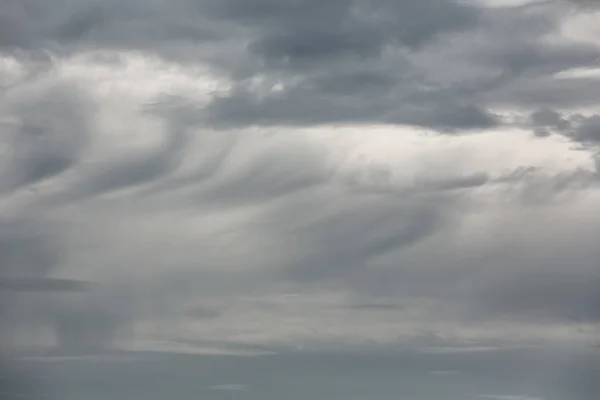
pixel 270 175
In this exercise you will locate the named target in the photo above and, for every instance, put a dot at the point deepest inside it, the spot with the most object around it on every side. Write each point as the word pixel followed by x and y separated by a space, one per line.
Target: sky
pixel 256 176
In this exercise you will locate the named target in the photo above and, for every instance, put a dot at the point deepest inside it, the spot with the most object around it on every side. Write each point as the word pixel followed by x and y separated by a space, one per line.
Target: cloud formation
pixel 267 173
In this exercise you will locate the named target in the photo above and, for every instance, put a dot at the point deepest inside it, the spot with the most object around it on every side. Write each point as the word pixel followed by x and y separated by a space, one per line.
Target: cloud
pixel 28 249
pixel 202 313
pixel 588 130
pixel 285 33
pixel 357 62
pixel 130 171
pixel 197 162
pixel 47 134
pixel 43 285
pixel 545 296
pixel 455 118
pixel 377 306
pixel 583 129
pixel 333 248
pixel 585 3
pixel 143 24
pixel 400 87
pixel 546 120
pixel 231 387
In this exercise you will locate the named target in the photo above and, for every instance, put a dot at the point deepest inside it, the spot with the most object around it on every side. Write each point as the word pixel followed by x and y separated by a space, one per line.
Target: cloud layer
pixel 276 174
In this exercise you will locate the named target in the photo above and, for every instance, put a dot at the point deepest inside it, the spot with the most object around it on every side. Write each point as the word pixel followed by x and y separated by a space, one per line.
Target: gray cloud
pixel 377 307
pixel 588 130
pixel 43 285
pixel 571 297
pixel 464 182
pixel 453 118
pixel 546 120
pixel 31 254
pixel 322 230
pixel 48 136
pixel 28 249
pixel 330 247
pixel 88 330
pixel 584 3
pixel 534 57
pixel 292 31
pixel 567 93
pixel 307 105
pixel 579 128
pixel 273 175
pixel 338 62
pixel 219 208
pixel 131 171
pixel 512 72
pixel 36 24
pixel 202 313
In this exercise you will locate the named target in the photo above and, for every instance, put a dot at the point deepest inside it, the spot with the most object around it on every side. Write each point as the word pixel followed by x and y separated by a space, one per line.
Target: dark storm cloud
pixel 534 57
pixel 308 105
pixel 295 31
pixel 356 82
pixel 310 46
pixel 34 24
pixel 318 87
pixel 287 29
pixel 516 53
pixel 287 35
pixel 545 120
pixel 565 93
pixel 452 118
pixel 579 128
pixel 338 61
pixel 588 130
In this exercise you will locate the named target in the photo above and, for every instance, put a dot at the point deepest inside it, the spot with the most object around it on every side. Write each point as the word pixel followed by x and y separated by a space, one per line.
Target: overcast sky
pixel 266 174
